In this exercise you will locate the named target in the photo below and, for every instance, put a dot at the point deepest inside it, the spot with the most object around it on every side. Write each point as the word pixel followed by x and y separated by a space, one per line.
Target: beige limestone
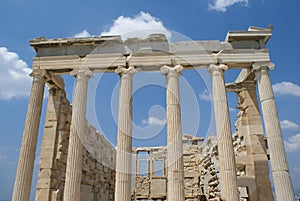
pixel 282 181
pixel 200 170
pixel 55 104
pixel 124 147
pixel 98 165
pixel 150 53
pixel 23 179
pixel 78 123
pixel 200 161
pixel 228 180
pixel 249 145
pixel 175 186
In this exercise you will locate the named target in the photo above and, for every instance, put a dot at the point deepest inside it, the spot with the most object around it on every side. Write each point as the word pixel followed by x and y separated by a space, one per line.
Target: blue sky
pixel 22 20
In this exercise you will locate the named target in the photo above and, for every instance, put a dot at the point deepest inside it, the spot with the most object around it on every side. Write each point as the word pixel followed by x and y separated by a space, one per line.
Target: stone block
pixel 158 187
pixel 44 183
pixel 42 194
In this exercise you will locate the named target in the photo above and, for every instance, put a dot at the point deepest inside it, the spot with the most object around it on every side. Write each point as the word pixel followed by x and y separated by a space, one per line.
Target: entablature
pixel 106 53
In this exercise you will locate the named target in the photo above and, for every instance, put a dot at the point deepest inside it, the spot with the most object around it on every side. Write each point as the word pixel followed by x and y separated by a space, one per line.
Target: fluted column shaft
pixel 74 159
pixel 28 148
pixel 124 145
pixel 281 176
pixel 228 180
pixel 175 186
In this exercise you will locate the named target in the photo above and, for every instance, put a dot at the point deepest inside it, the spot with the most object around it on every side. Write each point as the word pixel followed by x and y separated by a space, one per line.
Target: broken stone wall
pixel 250 148
pixel 201 164
pixel 98 173
pixel 150 180
pixel 200 170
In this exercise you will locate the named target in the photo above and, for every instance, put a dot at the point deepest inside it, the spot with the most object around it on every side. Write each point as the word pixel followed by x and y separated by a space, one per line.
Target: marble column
pixel 78 125
pixel 280 170
pixel 228 179
pixel 175 186
pixel 23 179
pixel 124 146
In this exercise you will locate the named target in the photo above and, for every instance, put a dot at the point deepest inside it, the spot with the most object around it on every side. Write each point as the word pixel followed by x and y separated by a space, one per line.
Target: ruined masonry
pixel 79 163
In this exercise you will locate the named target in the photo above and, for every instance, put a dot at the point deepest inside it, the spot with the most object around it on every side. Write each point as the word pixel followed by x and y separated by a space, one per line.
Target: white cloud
pixel 82 34
pixel 293 143
pixel 205 95
pixel 222 5
pixel 286 124
pixel 14 78
pixel 286 88
pixel 154 121
pixel 139 26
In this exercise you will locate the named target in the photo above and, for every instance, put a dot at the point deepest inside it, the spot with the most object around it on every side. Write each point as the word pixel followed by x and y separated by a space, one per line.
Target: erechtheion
pixel 79 163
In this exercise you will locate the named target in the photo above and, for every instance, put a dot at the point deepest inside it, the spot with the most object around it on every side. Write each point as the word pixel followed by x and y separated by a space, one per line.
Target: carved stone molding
pixel 220 68
pixel 172 71
pixel 126 72
pixel 82 73
pixel 38 75
pixel 257 66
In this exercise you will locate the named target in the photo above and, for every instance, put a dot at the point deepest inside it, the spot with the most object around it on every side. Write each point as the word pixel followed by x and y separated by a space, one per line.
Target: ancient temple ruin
pixel 79 163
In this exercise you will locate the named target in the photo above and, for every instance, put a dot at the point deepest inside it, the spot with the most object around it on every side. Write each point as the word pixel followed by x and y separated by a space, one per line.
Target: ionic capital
pixel 38 75
pixel 172 71
pixel 82 73
pixel 220 68
pixel 262 68
pixel 258 66
pixel 126 72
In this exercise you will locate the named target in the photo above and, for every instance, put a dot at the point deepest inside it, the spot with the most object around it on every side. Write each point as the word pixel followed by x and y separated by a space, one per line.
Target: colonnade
pixel 175 189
